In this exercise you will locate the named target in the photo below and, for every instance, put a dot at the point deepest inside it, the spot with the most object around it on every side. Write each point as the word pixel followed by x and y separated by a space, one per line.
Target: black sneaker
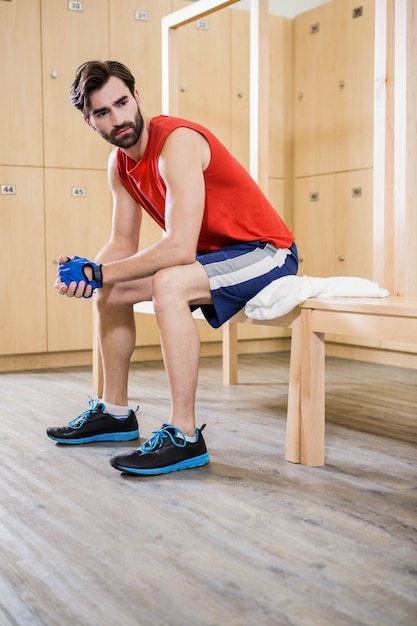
pixel 165 452
pixel 96 425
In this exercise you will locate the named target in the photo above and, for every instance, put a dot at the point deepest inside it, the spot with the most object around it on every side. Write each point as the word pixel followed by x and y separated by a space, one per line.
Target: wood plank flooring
pixel 248 540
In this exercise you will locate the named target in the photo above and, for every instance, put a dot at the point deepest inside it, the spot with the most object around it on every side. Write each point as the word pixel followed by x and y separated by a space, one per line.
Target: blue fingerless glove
pixel 74 271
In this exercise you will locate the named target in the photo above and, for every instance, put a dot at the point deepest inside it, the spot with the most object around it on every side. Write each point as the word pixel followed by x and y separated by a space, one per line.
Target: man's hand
pixel 78 277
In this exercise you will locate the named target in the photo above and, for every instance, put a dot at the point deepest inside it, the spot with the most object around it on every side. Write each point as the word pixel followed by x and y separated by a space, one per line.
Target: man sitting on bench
pixel 223 242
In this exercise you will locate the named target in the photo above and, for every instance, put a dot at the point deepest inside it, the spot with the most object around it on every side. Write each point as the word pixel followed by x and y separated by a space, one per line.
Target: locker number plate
pixel 202 24
pixel 8 190
pixel 78 192
pixel 74 5
pixel 141 16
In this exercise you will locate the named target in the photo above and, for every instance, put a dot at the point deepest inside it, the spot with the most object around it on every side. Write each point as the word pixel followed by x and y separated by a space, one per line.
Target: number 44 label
pixel 8 190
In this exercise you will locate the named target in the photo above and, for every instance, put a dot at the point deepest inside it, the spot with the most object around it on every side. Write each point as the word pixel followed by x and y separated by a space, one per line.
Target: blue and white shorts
pixel 237 273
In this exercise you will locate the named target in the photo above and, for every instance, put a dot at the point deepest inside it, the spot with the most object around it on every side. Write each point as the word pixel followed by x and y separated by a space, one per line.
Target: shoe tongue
pixel 176 432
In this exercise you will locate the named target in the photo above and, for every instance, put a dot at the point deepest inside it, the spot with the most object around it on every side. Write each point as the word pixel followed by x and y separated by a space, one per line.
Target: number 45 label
pixel 78 192
pixel 8 190
pixel 73 5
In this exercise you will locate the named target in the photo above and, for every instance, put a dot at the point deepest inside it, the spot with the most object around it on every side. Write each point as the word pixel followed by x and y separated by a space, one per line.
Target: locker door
pixel 354 220
pixel 314 91
pixel 22 250
pixel 279 83
pixel 279 71
pixel 204 71
pixel 72 33
pixel 314 224
pixel 354 128
pixel 239 85
pixel 78 221
pixel 21 83
pixel 140 25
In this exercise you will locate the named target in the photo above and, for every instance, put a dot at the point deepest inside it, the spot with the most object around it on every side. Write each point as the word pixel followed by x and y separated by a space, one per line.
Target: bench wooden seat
pixel 393 318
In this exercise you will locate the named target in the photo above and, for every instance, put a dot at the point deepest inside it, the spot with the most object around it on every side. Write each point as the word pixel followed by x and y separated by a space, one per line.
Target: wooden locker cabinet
pixel 69 38
pixel 204 72
pixel 239 85
pixel 314 91
pixel 135 40
pixel 78 221
pixel 354 223
pixel 21 83
pixel 315 224
pixel 333 138
pixel 333 87
pixel 22 305
pixel 333 224
pixel 279 61
pixel 354 131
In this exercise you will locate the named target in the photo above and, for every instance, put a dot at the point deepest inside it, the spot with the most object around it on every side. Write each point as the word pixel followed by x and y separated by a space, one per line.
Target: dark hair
pixel 93 75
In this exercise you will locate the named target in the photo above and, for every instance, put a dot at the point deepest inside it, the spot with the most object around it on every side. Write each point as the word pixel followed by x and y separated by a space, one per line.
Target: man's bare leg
pixel 174 290
pixel 117 333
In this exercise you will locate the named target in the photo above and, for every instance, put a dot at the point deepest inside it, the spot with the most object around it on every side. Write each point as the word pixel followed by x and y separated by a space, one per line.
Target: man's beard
pixel 129 139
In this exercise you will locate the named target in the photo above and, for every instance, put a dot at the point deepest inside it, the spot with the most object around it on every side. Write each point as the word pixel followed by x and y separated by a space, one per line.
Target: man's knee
pixel 113 296
pixel 167 287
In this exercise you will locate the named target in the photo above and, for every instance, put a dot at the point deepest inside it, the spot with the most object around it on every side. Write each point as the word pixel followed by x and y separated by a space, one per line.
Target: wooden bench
pixel 393 318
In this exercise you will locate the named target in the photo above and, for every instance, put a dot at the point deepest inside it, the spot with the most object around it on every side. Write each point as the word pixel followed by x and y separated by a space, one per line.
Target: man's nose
pixel 117 118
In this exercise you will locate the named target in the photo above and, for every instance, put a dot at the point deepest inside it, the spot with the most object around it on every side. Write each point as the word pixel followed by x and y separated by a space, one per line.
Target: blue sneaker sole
pixel 197 461
pixel 133 434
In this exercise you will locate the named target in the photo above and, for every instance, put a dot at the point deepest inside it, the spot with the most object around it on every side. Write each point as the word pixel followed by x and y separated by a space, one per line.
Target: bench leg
pixel 97 363
pixel 312 393
pixel 293 435
pixel 229 353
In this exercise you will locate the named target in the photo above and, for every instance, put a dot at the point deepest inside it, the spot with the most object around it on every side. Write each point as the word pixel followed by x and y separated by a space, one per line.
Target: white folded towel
pixel 284 294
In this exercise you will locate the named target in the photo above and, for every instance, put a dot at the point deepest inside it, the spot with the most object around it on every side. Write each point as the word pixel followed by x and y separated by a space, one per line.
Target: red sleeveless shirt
pixel 235 208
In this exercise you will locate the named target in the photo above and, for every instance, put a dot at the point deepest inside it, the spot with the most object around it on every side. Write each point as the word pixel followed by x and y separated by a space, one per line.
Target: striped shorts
pixel 237 273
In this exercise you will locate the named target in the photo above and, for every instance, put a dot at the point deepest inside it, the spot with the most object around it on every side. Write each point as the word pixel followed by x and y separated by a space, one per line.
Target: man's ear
pixel 137 96
pixel 87 121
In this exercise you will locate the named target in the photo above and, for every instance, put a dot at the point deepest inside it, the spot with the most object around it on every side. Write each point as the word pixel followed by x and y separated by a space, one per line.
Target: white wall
pixel 286 8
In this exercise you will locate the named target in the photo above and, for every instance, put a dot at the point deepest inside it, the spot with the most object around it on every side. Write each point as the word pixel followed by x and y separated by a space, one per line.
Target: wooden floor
pixel 248 540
